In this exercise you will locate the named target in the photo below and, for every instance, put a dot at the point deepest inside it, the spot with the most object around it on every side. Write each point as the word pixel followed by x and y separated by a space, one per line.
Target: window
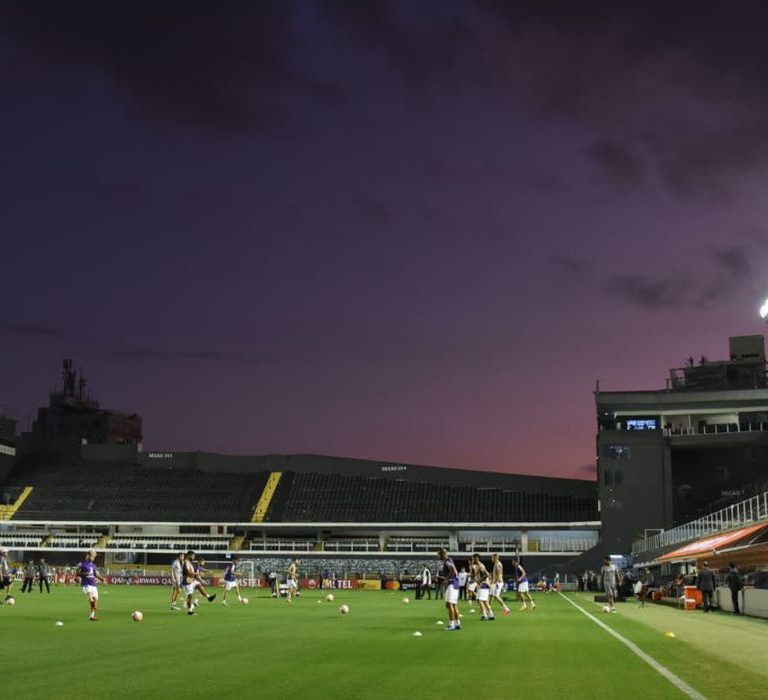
pixel 617 452
pixel 642 424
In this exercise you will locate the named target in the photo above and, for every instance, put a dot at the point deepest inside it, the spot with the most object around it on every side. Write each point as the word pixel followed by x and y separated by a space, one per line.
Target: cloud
pixel 375 211
pixel 574 268
pixel 117 351
pixel 721 274
pixel 662 92
pixel 154 354
pixel 622 165
pixel 733 272
pixel 649 292
pixel 220 66
pixel 669 93
pixel 734 260
pixel 423 42
pixel 30 329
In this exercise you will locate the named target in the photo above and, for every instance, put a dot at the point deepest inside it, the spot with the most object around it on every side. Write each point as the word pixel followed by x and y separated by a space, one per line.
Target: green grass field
pixel 275 649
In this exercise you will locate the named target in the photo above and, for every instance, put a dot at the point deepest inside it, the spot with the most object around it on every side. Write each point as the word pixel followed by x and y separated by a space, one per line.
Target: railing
pixel 737 515
pixel 716 429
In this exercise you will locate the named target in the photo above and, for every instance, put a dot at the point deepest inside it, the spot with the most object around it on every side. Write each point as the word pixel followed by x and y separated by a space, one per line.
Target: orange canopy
pixel 712 543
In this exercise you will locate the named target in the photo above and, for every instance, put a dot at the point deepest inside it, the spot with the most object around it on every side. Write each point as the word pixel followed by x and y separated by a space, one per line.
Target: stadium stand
pixel 7 511
pixel 282 544
pixel 352 567
pixel 174 542
pixel 490 546
pixel 77 541
pixel 309 497
pixel 351 544
pixel 20 539
pixel 415 544
pixel 118 491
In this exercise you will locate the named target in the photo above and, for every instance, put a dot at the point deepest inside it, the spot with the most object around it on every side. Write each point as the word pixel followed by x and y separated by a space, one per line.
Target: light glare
pixel 764 309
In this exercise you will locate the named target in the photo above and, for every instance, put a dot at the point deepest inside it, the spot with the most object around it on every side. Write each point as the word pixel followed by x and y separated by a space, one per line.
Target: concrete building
pixel 666 456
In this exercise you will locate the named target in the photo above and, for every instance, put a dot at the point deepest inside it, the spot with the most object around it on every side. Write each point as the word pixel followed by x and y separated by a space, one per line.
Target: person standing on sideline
pixel 450 578
pixel 463 576
pixel 89 577
pixel 497 582
pixel 42 575
pixel 733 579
pixel 426 582
pixel 29 576
pixel 706 584
pixel 176 567
pixel 609 576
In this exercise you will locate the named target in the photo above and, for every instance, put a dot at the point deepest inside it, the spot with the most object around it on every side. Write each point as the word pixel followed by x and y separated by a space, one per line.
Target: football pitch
pixel 275 649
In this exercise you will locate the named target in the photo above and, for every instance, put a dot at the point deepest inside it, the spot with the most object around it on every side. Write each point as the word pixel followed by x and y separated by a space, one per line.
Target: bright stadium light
pixel 764 309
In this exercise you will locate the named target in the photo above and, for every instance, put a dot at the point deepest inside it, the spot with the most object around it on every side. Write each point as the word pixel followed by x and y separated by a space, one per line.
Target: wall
pixel 753 601
pixel 640 498
pixel 209 462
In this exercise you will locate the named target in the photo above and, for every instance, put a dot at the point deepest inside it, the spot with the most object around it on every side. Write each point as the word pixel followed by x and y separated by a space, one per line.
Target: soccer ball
pixel 406 600
pixel 10 601
pixel 244 601
pixel 329 597
pixel 344 609
pixel 606 608
pixel 137 616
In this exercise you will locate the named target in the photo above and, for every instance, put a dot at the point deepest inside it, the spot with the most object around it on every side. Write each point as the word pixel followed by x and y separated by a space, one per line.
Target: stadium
pixel 681 479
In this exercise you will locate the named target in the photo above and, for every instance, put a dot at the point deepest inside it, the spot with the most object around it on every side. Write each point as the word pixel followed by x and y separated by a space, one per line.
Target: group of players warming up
pixel 187 579
pixel 486 587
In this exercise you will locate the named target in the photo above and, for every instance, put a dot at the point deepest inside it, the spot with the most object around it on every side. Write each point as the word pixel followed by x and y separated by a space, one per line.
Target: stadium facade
pixel 665 457
pixel 83 476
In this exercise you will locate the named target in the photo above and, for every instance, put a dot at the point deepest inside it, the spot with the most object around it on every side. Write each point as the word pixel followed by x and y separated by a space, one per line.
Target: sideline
pixel 678 682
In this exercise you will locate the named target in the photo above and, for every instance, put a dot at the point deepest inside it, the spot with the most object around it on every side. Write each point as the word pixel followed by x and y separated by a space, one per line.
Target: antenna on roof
pixel 81 385
pixel 68 375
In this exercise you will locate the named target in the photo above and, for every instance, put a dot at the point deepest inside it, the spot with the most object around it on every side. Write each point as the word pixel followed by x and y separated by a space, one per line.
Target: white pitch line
pixel 678 682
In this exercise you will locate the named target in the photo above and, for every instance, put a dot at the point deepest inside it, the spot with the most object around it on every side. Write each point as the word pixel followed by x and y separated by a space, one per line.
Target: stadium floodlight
pixel 764 310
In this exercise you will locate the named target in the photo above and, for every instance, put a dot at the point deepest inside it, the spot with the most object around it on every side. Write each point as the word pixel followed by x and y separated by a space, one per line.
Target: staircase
pixel 267 495
pixel 7 512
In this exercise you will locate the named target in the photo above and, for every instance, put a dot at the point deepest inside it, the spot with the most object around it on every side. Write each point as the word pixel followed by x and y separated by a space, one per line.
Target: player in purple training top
pixel 523 588
pixel 89 576
pixel 451 576
pixel 231 580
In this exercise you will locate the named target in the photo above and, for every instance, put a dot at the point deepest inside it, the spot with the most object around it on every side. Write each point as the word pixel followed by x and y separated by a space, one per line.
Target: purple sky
pixel 409 231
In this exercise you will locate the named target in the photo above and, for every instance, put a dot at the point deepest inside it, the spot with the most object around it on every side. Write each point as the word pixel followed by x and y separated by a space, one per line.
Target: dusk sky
pixel 411 231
